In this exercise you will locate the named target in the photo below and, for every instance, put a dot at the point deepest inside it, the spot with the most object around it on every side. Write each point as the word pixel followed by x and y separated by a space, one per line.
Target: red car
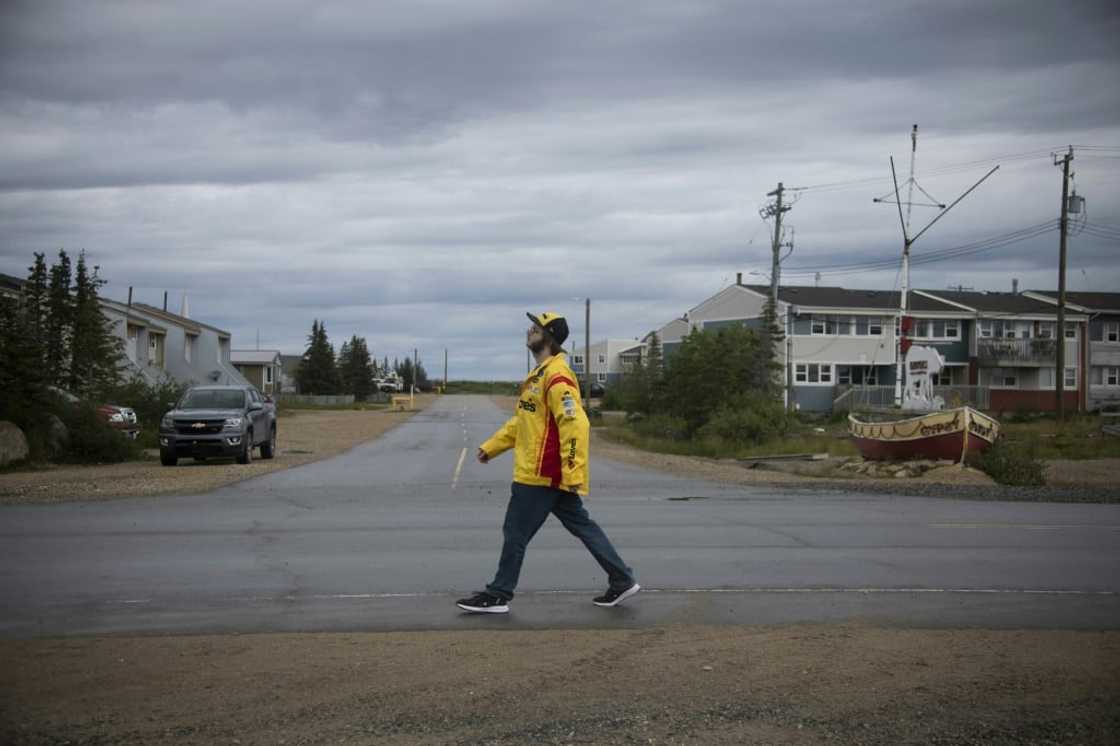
pixel 121 418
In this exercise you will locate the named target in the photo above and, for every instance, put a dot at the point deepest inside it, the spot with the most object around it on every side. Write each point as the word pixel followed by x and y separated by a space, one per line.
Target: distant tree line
pixel 353 370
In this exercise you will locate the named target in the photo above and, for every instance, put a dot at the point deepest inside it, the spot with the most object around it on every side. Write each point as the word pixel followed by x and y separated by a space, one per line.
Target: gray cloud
pixel 422 174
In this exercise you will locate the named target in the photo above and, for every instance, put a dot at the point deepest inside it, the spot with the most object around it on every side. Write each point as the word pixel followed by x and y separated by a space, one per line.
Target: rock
pixel 13 444
pixel 57 435
pixel 903 474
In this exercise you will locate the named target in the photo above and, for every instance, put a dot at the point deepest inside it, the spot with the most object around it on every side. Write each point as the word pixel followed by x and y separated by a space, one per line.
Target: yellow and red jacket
pixel 549 431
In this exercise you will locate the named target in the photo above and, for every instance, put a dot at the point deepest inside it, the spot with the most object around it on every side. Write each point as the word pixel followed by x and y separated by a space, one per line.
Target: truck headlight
pixel 166 423
pixel 116 417
pixel 233 423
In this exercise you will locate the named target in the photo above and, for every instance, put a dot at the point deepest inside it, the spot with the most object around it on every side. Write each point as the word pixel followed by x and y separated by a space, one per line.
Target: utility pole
pixel 415 361
pixel 1060 373
pixel 587 348
pixel 444 370
pixel 776 210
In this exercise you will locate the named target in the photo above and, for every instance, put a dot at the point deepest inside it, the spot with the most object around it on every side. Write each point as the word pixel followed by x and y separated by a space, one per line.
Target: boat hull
pixel 948 435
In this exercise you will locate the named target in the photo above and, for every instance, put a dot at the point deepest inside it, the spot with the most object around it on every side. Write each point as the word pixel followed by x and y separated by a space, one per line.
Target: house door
pixel 132 345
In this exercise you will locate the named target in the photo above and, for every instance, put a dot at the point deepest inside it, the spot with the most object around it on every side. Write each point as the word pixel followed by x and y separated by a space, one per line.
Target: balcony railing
pixel 1012 351
pixel 873 398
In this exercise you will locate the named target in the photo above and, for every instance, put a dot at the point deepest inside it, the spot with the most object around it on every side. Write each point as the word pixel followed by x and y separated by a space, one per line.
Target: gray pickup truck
pixel 218 422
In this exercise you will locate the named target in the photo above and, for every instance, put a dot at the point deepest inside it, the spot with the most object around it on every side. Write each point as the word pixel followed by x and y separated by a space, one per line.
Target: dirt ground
pixel 303 436
pixel 665 685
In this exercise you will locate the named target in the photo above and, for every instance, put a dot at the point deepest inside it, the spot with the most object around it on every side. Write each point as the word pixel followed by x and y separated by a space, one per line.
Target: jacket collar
pixel 544 364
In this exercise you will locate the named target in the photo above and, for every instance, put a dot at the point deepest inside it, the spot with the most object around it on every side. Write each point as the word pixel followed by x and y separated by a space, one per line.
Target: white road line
pixel 740 591
pixel 1029 526
pixel 458 468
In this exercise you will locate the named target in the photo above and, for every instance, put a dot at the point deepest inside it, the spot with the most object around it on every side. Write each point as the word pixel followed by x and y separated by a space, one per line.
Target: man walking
pixel 549 433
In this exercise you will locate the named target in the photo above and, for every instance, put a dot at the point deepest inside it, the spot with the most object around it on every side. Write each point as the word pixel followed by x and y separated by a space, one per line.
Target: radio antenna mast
pixel 902 344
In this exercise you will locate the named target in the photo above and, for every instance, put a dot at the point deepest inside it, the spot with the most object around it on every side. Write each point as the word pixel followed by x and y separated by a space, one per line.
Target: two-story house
pixel 159 344
pixel 1013 349
pixel 1103 312
pixel 607 364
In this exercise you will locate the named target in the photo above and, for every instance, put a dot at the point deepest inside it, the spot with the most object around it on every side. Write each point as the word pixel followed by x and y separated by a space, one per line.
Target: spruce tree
pixel 358 370
pixel 35 307
pixel 95 352
pixel 59 321
pixel 772 338
pixel 317 373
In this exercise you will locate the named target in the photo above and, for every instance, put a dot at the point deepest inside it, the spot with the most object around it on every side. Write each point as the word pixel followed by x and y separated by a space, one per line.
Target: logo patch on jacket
pixel 569 405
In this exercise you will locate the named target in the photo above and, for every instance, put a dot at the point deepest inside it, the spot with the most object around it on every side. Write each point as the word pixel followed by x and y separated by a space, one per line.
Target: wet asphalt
pixel 388 535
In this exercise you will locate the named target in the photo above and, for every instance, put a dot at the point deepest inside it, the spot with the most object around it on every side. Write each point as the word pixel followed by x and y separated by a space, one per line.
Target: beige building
pixel 259 367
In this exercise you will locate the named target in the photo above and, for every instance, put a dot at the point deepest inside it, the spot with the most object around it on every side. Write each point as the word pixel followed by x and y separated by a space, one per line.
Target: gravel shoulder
pixel 677 684
pixel 303 436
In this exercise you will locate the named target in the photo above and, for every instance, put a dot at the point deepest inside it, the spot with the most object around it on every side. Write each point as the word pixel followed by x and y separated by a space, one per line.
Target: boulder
pixel 57 435
pixel 13 444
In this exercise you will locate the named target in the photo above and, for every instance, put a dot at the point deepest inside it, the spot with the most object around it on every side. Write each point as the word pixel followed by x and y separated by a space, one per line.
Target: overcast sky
pixel 423 173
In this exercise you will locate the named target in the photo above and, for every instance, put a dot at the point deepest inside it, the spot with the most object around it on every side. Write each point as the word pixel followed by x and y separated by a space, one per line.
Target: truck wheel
pixel 168 458
pixel 268 448
pixel 246 455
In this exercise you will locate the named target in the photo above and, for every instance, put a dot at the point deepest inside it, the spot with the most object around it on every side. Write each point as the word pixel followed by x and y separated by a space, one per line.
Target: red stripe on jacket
pixel 559 379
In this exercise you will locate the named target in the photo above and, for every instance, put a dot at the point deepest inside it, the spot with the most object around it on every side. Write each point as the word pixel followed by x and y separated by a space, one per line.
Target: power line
pixel 997 241
pixel 1099 151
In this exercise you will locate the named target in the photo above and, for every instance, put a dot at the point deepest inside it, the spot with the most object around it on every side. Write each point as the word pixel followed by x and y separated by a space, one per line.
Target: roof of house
pixel 10 283
pixel 1092 301
pixel 254 357
pixel 986 301
pixel 177 319
pixel 837 297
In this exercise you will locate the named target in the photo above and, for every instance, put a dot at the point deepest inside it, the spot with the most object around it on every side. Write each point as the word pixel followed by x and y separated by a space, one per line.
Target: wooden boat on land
pixel 946 435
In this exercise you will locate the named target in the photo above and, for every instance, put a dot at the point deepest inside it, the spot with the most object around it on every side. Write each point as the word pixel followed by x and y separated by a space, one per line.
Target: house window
pixel 602 359
pixel 871 377
pixel 1005 380
pixel 268 374
pixel 819 325
pixel 601 377
pixel 1045 330
pixel 1112 331
pixel 844 326
pixel 577 359
pixel 843 374
pixel 986 328
pixel 875 327
pixel 188 347
pixel 861 326
pixel 812 373
pixel 952 329
pixel 1071 378
pixel 1112 376
pixel 1071 330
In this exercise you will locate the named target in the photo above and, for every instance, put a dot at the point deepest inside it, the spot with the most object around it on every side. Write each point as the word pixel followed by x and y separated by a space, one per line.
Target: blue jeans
pixel 528 508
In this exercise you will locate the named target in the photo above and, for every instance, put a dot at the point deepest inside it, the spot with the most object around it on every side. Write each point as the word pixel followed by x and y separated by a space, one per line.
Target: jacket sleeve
pixel 575 429
pixel 503 439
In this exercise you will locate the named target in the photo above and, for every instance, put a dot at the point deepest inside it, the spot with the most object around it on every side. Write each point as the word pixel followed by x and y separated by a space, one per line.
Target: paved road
pixel 389 534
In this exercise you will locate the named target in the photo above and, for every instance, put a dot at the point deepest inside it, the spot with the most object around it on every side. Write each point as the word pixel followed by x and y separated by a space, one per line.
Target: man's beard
pixel 537 346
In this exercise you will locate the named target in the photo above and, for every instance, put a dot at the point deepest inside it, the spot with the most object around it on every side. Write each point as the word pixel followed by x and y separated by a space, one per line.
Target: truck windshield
pixel 214 399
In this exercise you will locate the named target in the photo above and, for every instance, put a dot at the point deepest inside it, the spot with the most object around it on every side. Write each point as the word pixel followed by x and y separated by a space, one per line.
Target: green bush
pixel 749 418
pixel 1014 464
pixel 92 441
pixel 662 426
pixel 613 399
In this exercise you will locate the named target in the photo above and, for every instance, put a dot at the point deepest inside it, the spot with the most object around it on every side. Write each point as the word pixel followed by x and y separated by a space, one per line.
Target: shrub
pixel 662 426
pixel 749 418
pixel 1012 463
pixel 93 441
